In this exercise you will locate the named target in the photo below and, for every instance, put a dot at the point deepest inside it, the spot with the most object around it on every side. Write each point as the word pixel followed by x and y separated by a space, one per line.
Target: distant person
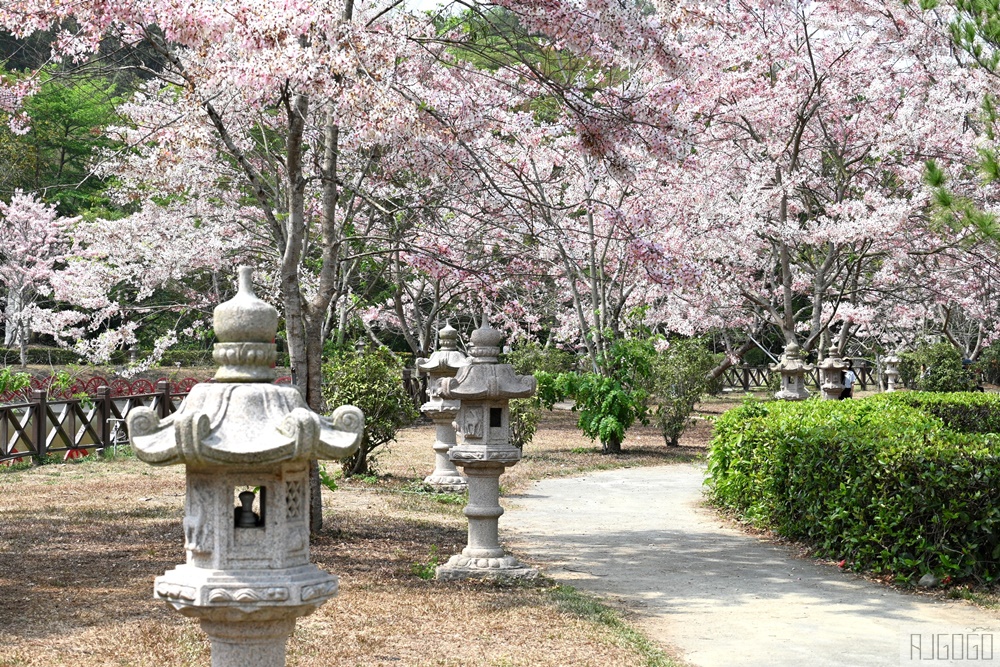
pixel 849 378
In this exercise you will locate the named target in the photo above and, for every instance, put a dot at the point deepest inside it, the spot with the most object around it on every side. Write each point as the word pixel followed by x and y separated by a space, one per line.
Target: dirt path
pixel 717 597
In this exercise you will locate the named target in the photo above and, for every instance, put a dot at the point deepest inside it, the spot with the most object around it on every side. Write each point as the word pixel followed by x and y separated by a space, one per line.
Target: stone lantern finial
pixel 486 344
pixel 246 328
pixel 246 446
pixel 448 338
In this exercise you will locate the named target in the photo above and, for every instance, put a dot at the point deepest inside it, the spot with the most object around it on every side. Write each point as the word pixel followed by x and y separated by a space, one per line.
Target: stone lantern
pixel 793 373
pixel 892 371
pixel 443 364
pixel 831 374
pixel 485 388
pixel 246 444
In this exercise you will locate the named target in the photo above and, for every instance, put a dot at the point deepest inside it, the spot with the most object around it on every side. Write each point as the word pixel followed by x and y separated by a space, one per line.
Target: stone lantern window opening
pixel 251 507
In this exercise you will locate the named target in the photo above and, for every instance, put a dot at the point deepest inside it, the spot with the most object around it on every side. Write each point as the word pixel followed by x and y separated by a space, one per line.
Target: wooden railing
pixel 90 416
pixel 747 378
pixel 74 427
pixel 89 386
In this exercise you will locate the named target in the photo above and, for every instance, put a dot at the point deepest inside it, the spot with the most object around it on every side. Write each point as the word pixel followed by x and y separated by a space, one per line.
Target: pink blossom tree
pixel 35 240
pixel 806 165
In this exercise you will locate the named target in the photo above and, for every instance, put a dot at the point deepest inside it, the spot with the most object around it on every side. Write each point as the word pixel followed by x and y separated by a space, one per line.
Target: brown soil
pixel 82 542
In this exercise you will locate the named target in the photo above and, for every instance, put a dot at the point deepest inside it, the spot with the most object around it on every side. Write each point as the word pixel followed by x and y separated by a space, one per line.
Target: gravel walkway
pixel 716 597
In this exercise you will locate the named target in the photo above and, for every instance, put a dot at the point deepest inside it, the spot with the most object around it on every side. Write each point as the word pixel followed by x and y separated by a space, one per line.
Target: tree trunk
pixel 612 446
pixel 357 464
pixel 727 362
pixel 23 337
pixel 11 316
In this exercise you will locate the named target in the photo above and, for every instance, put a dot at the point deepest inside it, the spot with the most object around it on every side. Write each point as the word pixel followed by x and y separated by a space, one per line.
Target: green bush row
pixel 882 484
pixel 40 355
pixel 966 412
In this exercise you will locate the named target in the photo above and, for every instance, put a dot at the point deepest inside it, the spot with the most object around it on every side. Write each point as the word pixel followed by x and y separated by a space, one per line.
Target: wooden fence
pixel 89 416
pixel 89 386
pixel 747 378
pixel 72 427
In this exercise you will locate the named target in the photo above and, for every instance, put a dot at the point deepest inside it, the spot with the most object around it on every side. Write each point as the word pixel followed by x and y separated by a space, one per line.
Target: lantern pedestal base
pixel 503 568
pixel 248 644
pixel 447 483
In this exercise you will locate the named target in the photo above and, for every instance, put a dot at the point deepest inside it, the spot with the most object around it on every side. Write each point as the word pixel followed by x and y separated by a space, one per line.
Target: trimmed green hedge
pixel 40 355
pixel 971 412
pixel 882 484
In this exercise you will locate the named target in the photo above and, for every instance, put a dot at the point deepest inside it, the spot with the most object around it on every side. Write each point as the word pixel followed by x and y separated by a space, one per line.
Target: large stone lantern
pixel 485 388
pixel 892 371
pixel 831 374
pixel 443 364
pixel 246 444
pixel 793 374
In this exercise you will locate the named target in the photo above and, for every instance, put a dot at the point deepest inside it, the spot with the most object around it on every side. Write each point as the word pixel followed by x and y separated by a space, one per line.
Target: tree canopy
pixel 808 173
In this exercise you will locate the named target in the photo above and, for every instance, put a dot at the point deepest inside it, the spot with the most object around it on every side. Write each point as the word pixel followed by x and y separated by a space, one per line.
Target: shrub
pixel 526 359
pixel 184 358
pixel 610 402
pixel 965 412
pixel 525 413
pixel 989 363
pixel 679 379
pixel 880 483
pixel 936 367
pixel 11 382
pixel 372 381
pixel 41 356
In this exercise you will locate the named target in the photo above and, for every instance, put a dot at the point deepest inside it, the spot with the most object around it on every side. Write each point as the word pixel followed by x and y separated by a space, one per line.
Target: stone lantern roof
pixel 484 378
pixel 833 362
pixel 791 362
pixel 447 358
pixel 238 419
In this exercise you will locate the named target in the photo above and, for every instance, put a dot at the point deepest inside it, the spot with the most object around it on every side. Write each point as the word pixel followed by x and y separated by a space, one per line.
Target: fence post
pixel 103 400
pixel 746 378
pixel 408 384
pixel 40 425
pixel 163 389
pixel 424 383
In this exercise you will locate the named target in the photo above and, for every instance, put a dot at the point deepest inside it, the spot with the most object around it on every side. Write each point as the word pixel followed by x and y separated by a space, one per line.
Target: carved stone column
pixel 831 374
pixel 246 444
pixel 484 451
pixel 443 364
pixel 793 373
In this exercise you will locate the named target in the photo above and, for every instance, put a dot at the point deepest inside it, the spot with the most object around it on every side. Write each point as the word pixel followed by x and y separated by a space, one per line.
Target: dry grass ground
pixel 80 544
